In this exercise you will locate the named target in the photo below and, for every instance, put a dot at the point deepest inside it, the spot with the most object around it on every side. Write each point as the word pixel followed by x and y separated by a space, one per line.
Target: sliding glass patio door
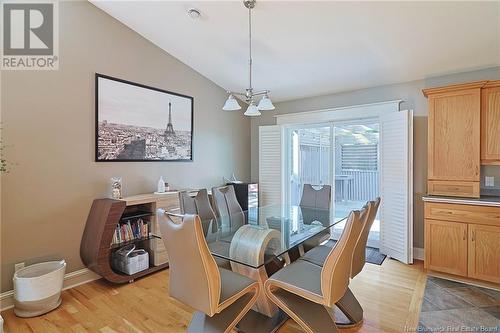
pixel 342 154
pixel 309 159
pixel 356 170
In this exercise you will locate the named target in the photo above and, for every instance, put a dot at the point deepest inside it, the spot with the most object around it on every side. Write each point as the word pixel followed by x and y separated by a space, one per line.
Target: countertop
pixel 484 200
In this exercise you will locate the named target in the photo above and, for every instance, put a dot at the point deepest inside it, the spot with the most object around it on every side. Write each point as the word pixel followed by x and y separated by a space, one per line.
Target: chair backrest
pixel 194 277
pixel 227 207
pixel 359 257
pixel 310 214
pixel 337 267
pixel 316 198
pixel 198 205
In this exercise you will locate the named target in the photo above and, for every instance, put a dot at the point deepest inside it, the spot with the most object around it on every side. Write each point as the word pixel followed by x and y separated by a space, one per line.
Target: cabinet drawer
pixel 463 213
pixel 158 245
pixel 169 202
pixel 158 254
pixel 453 188
pixel 158 257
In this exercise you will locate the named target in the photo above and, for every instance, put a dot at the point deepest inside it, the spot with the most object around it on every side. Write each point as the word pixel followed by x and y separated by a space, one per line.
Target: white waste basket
pixel 37 288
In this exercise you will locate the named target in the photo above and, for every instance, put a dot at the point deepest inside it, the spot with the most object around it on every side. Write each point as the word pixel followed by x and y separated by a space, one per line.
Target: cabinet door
pixel 446 247
pixel 454 135
pixel 490 125
pixel 484 252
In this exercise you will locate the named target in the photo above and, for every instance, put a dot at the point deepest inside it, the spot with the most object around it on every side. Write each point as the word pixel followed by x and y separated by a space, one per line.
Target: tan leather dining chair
pixel 359 257
pixel 315 200
pixel 221 297
pixel 318 255
pixel 227 208
pixel 307 292
pixel 199 205
pixel 348 304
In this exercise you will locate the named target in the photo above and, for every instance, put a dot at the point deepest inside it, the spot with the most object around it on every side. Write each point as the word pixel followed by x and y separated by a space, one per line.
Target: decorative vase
pixel 116 188
pixel 161 185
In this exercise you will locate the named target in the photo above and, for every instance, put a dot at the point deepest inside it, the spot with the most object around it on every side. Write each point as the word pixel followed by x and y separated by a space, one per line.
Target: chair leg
pixel 351 309
pixel 275 265
pixel 311 317
pixel 293 254
pixel 224 321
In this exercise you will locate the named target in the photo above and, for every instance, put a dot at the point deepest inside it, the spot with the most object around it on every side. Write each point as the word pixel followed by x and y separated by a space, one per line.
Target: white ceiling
pixel 306 48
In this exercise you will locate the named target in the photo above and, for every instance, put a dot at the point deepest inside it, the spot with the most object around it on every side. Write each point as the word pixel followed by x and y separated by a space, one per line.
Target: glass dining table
pixel 256 242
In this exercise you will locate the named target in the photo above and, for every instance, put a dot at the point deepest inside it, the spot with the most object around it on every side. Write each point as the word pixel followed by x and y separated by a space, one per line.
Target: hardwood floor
pixel 390 294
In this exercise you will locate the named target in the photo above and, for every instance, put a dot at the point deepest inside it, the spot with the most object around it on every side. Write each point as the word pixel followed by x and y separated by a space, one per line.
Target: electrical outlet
pixel 18 266
pixel 489 181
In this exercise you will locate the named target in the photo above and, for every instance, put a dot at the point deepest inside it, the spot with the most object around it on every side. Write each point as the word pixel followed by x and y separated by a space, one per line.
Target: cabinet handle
pixel 465 234
pixel 473 236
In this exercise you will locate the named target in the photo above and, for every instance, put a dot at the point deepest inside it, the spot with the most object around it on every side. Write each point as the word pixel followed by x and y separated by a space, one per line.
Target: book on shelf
pixel 129 231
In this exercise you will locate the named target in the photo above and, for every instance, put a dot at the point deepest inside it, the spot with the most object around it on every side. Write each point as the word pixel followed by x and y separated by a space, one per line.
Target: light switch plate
pixel 489 181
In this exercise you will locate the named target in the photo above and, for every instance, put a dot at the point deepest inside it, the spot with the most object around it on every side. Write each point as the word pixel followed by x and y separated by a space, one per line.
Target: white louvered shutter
pixel 396 185
pixel 270 165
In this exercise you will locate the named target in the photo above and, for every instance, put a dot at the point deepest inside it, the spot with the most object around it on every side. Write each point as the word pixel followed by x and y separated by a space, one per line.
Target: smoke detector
pixel 194 13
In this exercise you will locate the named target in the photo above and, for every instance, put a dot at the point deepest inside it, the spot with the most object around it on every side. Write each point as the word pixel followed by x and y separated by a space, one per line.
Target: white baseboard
pixel 71 280
pixel 418 253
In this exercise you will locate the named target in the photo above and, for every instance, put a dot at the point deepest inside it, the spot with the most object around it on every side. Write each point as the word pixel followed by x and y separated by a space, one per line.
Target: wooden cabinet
pixel 490 123
pixel 446 247
pixel 454 140
pixel 463 240
pixel 484 252
pixel 96 248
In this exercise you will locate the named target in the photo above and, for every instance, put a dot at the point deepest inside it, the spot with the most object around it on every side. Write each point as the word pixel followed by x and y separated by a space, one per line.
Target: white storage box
pixel 37 288
pixel 128 260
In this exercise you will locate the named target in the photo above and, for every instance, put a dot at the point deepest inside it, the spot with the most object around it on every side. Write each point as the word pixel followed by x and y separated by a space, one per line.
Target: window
pixel 359 157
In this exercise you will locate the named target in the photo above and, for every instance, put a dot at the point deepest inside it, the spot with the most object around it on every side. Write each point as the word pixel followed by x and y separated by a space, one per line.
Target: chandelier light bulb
pixel 231 104
pixel 252 110
pixel 265 104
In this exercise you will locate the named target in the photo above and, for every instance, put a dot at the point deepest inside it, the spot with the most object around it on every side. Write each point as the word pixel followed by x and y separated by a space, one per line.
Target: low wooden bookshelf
pixel 96 248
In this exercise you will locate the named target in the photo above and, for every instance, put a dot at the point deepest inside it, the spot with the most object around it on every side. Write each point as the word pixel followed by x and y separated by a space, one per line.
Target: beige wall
pixel 411 94
pixel 48 121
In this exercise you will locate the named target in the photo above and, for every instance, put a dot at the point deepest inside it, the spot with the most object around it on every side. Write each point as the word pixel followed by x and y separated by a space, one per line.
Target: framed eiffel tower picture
pixel 135 122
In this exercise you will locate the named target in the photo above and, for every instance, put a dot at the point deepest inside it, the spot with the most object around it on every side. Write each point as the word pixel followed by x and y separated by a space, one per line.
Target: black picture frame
pixel 99 76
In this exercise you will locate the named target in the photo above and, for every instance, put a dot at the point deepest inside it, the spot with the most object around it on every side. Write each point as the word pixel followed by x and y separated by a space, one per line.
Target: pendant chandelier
pixel 249 95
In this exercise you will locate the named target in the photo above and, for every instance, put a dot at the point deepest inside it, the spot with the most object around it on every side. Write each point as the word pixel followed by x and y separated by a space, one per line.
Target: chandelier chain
pixel 249 94
pixel 250 48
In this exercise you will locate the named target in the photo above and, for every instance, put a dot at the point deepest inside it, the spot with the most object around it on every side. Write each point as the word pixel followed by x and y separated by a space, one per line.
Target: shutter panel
pixel 396 186
pixel 270 165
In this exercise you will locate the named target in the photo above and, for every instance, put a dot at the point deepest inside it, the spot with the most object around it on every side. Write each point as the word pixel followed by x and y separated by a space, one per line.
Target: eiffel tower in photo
pixel 170 128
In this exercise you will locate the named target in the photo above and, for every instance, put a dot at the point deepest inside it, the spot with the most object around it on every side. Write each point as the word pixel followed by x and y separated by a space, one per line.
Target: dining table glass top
pixel 260 235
